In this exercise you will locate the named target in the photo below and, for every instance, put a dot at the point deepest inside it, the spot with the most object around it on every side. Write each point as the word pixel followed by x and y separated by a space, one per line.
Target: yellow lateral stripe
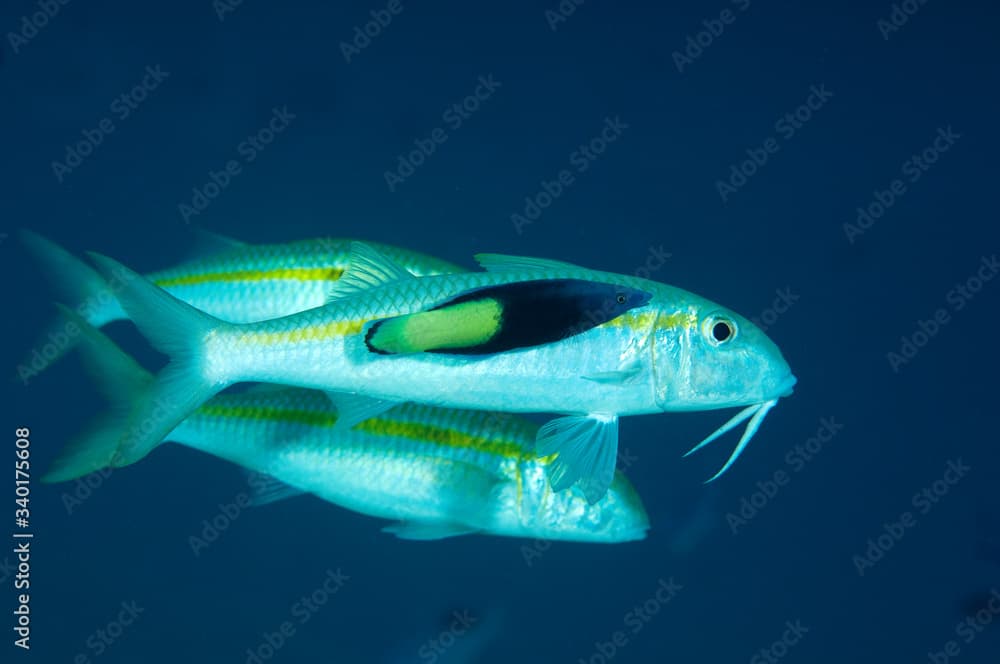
pixel 379 426
pixel 285 273
pixel 678 319
pixel 632 320
pixel 320 332
pixel 443 436
pixel 290 415
pixel 643 320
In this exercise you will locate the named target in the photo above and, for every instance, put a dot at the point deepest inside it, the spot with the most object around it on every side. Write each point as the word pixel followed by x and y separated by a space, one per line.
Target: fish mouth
pixel 785 387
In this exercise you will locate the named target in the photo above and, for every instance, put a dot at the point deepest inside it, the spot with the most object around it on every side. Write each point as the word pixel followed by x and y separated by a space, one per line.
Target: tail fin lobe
pixel 121 380
pixel 180 331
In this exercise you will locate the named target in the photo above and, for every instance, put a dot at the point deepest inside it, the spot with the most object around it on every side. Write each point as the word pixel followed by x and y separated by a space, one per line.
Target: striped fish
pixel 526 335
pixel 232 281
pixel 436 472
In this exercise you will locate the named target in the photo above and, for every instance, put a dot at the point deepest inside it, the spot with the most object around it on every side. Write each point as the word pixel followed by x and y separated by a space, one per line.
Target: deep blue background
pixel 653 187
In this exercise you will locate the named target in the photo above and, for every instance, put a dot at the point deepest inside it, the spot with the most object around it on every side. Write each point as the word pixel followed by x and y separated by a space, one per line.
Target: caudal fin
pixel 79 286
pixel 121 381
pixel 180 331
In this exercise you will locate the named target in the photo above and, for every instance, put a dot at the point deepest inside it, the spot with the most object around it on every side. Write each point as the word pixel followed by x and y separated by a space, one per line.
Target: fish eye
pixel 620 298
pixel 719 330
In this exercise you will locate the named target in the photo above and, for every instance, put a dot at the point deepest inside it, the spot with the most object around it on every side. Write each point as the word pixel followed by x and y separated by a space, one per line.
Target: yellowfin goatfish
pixel 526 335
pixel 231 280
pixel 437 472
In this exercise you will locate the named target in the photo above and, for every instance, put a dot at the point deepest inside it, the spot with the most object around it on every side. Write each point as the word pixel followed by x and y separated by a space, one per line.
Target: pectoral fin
pixel 587 449
pixel 624 373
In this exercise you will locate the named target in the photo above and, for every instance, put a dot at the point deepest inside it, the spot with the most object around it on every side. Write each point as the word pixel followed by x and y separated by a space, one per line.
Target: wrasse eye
pixel 719 330
pixel 620 298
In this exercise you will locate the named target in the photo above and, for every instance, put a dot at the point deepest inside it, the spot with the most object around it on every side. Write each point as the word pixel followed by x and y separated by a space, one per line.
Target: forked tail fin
pixel 121 381
pixel 77 285
pixel 178 330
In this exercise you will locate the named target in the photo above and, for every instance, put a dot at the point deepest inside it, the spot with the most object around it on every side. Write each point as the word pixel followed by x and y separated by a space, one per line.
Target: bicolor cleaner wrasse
pixel 526 335
pixel 437 472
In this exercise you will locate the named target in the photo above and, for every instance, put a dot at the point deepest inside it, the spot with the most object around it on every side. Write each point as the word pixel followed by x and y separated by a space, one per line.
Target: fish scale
pixel 312 348
pixel 414 463
pixel 438 472
pixel 258 282
pixel 618 345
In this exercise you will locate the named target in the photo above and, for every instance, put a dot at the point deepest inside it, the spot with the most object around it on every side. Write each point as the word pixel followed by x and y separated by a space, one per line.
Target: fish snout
pixel 785 386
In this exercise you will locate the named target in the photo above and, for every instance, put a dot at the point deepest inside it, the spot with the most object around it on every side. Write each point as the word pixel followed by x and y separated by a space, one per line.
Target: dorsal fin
pixel 506 263
pixel 210 243
pixel 366 268
pixel 354 409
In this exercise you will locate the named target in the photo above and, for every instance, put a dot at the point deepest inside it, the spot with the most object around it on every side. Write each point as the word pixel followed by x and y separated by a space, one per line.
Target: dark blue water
pixel 741 153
